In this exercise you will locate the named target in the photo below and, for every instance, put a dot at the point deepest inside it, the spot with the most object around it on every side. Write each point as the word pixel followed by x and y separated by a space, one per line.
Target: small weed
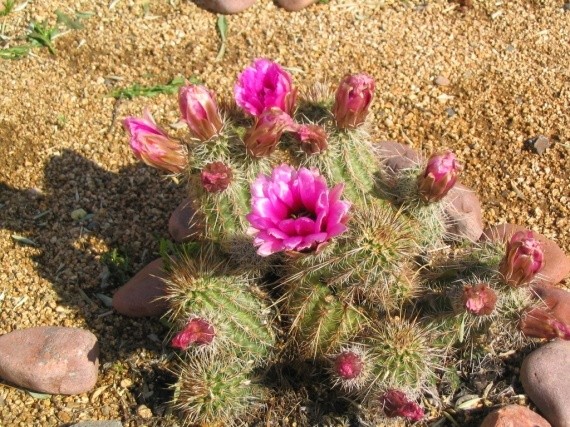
pixel 69 22
pixel 323 1
pixel 43 35
pixel 119 265
pixel 222 25
pixel 15 52
pixel 149 91
pixel 8 7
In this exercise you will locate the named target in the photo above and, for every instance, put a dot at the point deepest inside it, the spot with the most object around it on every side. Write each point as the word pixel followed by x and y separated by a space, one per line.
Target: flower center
pixel 303 213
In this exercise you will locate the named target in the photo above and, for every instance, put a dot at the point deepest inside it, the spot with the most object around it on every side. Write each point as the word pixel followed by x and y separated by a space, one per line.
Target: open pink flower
pixel 523 259
pixel 439 176
pixel 352 100
pixel 199 110
pixel 153 146
pixel 197 331
pixel 264 85
pixel 295 211
pixel 396 404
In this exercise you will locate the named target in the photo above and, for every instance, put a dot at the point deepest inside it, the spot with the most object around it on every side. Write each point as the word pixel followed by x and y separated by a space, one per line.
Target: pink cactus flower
pixel 153 146
pixel 396 404
pixel 348 365
pixel 265 85
pixel 541 323
pixel 479 299
pixel 262 139
pixel 313 138
pixel 352 100
pixel 197 331
pixel 523 259
pixel 295 211
pixel 439 177
pixel 200 111
pixel 216 177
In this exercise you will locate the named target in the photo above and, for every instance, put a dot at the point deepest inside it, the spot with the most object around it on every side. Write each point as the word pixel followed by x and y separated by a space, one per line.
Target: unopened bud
pixel 438 177
pixel 313 138
pixel 200 111
pixel 352 100
pixel 262 139
pixel 523 259
pixel 216 177
pixel 479 299
pixel 197 331
pixel 396 404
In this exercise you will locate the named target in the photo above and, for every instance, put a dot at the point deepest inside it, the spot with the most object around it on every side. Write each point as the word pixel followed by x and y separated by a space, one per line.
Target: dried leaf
pixel 23 240
pixel 39 396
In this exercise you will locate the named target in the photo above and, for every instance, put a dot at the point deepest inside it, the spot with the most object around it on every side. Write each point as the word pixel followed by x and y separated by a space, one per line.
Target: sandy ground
pixel 62 147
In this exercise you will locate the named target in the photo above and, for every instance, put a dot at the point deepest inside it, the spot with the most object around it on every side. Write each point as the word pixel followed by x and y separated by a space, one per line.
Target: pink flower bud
pixel 348 365
pixel 262 139
pixel 479 299
pixel 439 177
pixel 200 111
pixel 153 146
pixel 216 177
pixel 396 404
pixel 265 85
pixel 197 331
pixel 524 258
pixel 313 138
pixel 352 100
pixel 541 323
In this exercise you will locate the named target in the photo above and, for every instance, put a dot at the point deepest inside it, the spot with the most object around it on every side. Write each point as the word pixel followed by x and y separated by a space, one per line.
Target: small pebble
pixel 545 379
pixel 566 7
pixel 110 423
pixel 50 359
pixel 441 81
pixel 538 144
pixel 144 412
pixel 140 296
pixel 514 416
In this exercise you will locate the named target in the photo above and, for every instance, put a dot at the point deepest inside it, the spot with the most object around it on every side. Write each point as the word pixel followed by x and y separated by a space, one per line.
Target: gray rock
pixel 544 376
pixel 514 416
pixel 566 7
pixel 225 6
pixel 111 423
pixel 50 359
pixel 464 212
pixel 141 296
pixel 538 144
pixel 556 262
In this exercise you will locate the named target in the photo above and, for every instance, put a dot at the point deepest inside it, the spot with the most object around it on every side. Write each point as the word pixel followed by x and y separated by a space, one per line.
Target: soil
pixel 62 148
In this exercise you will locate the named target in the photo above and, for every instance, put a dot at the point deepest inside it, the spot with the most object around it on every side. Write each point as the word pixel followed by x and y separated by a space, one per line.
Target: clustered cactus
pixel 307 252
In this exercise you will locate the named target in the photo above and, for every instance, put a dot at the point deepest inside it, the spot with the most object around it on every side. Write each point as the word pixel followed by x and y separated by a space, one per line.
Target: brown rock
pixel 294 5
pixel 464 212
pixel 514 416
pixel 556 262
pixel 225 6
pixel 141 296
pixel 179 222
pixel 544 376
pixel 441 81
pixel 50 359
pixel 557 300
pixel 396 157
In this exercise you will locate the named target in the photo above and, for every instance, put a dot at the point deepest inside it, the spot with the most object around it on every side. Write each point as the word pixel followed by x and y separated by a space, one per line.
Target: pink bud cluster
pixel 479 299
pixel 524 258
pixel 197 331
pixel 396 404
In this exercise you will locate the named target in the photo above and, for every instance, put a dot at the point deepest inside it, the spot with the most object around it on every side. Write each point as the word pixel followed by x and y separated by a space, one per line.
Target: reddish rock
pixel 395 156
pixel 464 212
pixel 141 296
pixel 514 416
pixel 557 300
pixel 50 359
pixel 179 222
pixel 294 5
pixel 225 6
pixel 556 262
pixel 545 379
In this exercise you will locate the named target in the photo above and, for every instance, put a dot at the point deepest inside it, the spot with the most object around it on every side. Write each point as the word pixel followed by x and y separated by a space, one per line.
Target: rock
pixel 50 359
pixel 566 7
pixel 514 416
pixel 464 212
pixel 538 144
pixel 545 379
pixel 441 81
pixel 294 5
pixel 557 300
pixel 139 297
pixel 225 6
pixel 112 423
pixel 396 157
pixel 556 262
pixel 179 222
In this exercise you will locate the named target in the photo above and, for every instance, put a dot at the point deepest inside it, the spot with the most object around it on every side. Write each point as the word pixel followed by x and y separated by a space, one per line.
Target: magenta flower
pixel 216 177
pixel 197 331
pixel 265 85
pixel 396 404
pixel 479 299
pixel 263 137
pixel 352 100
pixel 200 111
pixel 348 365
pixel 295 211
pixel 153 146
pixel 524 258
pixel 439 177
pixel 313 138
